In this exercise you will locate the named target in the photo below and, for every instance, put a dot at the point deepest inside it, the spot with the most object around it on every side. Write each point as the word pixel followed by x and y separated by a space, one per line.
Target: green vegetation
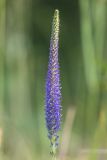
pixel 25 27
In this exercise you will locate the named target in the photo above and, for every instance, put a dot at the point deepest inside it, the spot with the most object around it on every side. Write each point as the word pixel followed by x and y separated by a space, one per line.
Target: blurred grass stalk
pixel 99 10
pixel 18 105
pixel 66 134
pixel 99 142
pixel 2 52
pixel 93 46
pixel 17 86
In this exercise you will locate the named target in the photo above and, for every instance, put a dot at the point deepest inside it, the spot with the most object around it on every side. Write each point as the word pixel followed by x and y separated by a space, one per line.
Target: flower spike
pixel 53 93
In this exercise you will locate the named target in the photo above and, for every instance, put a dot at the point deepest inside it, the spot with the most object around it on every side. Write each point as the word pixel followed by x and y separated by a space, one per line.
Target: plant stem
pixel 53 157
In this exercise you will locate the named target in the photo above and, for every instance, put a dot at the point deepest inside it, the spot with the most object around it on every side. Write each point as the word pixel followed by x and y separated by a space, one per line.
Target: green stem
pixel 54 158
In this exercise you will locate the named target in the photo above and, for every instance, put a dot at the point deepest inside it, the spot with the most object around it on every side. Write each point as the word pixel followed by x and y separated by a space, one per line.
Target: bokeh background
pixel 25 28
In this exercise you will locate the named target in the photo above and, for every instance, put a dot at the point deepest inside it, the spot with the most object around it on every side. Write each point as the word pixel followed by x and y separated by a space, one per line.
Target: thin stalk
pixel 54 158
pixel 90 65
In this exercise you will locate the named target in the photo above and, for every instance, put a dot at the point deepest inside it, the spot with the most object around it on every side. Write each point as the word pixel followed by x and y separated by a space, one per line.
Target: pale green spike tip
pixel 56 13
pixel 56 22
pixel 55 28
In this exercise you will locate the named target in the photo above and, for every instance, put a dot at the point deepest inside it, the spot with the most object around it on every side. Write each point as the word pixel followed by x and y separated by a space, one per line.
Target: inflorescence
pixel 53 89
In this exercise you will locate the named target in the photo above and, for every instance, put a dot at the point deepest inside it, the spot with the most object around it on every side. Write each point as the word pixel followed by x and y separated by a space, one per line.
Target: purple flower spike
pixel 53 93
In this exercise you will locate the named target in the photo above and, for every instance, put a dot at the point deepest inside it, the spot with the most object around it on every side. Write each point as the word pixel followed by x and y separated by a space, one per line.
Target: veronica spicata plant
pixel 53 93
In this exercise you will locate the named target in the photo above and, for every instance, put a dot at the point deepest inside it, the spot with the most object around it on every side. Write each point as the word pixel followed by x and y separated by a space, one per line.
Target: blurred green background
pixel 25 28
